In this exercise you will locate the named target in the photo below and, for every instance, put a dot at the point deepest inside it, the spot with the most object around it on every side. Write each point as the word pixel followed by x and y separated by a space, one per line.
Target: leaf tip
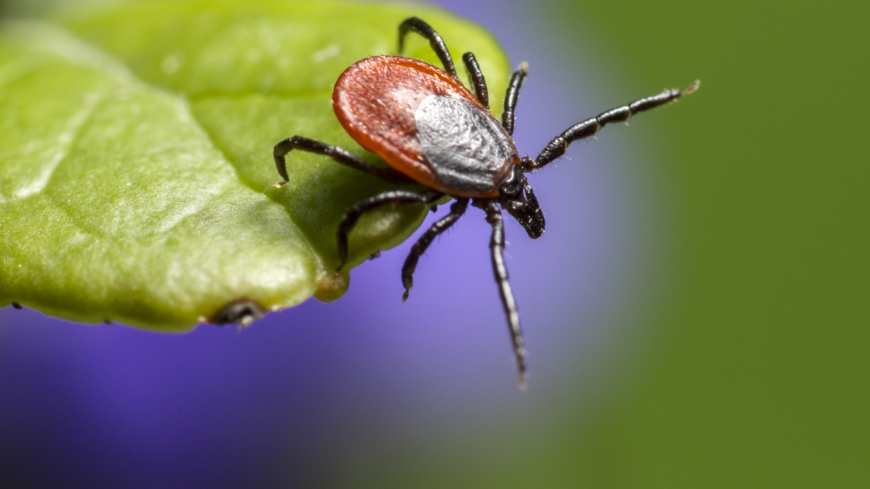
pixel 331 286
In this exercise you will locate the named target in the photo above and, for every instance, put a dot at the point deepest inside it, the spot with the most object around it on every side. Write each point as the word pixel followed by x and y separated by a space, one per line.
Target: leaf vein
pixel 66 141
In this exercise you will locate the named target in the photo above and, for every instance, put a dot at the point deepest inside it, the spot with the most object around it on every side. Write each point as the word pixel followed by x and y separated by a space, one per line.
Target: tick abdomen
pixel 377 101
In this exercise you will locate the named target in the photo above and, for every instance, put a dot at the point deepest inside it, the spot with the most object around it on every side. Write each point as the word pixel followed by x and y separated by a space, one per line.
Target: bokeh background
pixel 697 312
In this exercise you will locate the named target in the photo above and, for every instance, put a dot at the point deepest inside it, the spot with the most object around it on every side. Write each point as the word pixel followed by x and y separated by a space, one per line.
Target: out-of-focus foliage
pixel 136 176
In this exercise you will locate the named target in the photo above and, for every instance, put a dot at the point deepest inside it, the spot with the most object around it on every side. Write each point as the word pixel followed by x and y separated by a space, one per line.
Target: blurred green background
pixel 754 371
pixel 758 374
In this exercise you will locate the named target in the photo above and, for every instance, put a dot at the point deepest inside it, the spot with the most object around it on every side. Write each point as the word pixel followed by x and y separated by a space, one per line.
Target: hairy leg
pixel 339 155
pixel 390 197
pixel 584 129
pixel 512 96
pixel 477 78
pixel 420 26
pixel 496 245
pixel 443 224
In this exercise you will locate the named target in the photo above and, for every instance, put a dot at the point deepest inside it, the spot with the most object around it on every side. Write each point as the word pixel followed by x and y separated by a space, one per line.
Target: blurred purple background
pixel 307 395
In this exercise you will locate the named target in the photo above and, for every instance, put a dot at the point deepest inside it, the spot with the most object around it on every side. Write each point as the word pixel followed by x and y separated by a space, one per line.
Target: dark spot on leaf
pixel 17 305
pixel 374 255
pixel 244 312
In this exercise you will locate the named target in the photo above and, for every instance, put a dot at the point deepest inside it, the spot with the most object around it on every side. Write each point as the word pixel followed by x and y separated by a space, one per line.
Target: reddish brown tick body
pixel 432 130
pixel 377 101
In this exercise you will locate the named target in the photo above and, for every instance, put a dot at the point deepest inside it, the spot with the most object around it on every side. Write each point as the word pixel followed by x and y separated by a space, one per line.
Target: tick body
pixel 425 124
pixel 432 130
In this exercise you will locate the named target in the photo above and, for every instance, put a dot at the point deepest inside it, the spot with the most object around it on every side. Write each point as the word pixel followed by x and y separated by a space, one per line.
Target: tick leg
pixel 584 129
pixel 477 79
pixel 443 224
pixel 496 245
pixel 511 97
pixel 421 27
pixel 339 155
pixel 390 197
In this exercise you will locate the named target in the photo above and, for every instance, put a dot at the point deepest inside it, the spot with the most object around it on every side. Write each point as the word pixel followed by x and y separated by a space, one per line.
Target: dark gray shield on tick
pixel 466 146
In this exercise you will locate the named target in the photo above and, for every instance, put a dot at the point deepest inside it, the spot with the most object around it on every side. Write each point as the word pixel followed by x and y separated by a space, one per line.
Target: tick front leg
pixel 421 27
pixel 496 246
pixel 339 155
pixel 390 197
pixel 477 79
pixel 584 129
pixel 443 224
pixel 512 96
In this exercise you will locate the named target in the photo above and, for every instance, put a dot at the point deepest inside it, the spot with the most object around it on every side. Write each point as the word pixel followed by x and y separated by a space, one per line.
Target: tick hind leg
pixel 443 224
pixel 496 246
pixel 339 155
pixel 584 129
pixel 390 197
pixel 421 27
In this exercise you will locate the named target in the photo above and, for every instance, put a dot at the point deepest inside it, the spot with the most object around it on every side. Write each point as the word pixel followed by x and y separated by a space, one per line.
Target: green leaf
pixel 136 178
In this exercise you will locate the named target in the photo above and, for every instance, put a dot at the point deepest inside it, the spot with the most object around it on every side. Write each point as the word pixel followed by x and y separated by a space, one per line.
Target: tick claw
pixel 691 88
pixel 405 295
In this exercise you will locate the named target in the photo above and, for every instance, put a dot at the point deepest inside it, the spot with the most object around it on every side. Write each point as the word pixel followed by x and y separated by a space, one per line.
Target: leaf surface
pixel 136 177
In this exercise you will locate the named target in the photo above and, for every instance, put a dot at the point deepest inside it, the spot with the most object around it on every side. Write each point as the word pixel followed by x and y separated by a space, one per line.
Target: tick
pixel 432 130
